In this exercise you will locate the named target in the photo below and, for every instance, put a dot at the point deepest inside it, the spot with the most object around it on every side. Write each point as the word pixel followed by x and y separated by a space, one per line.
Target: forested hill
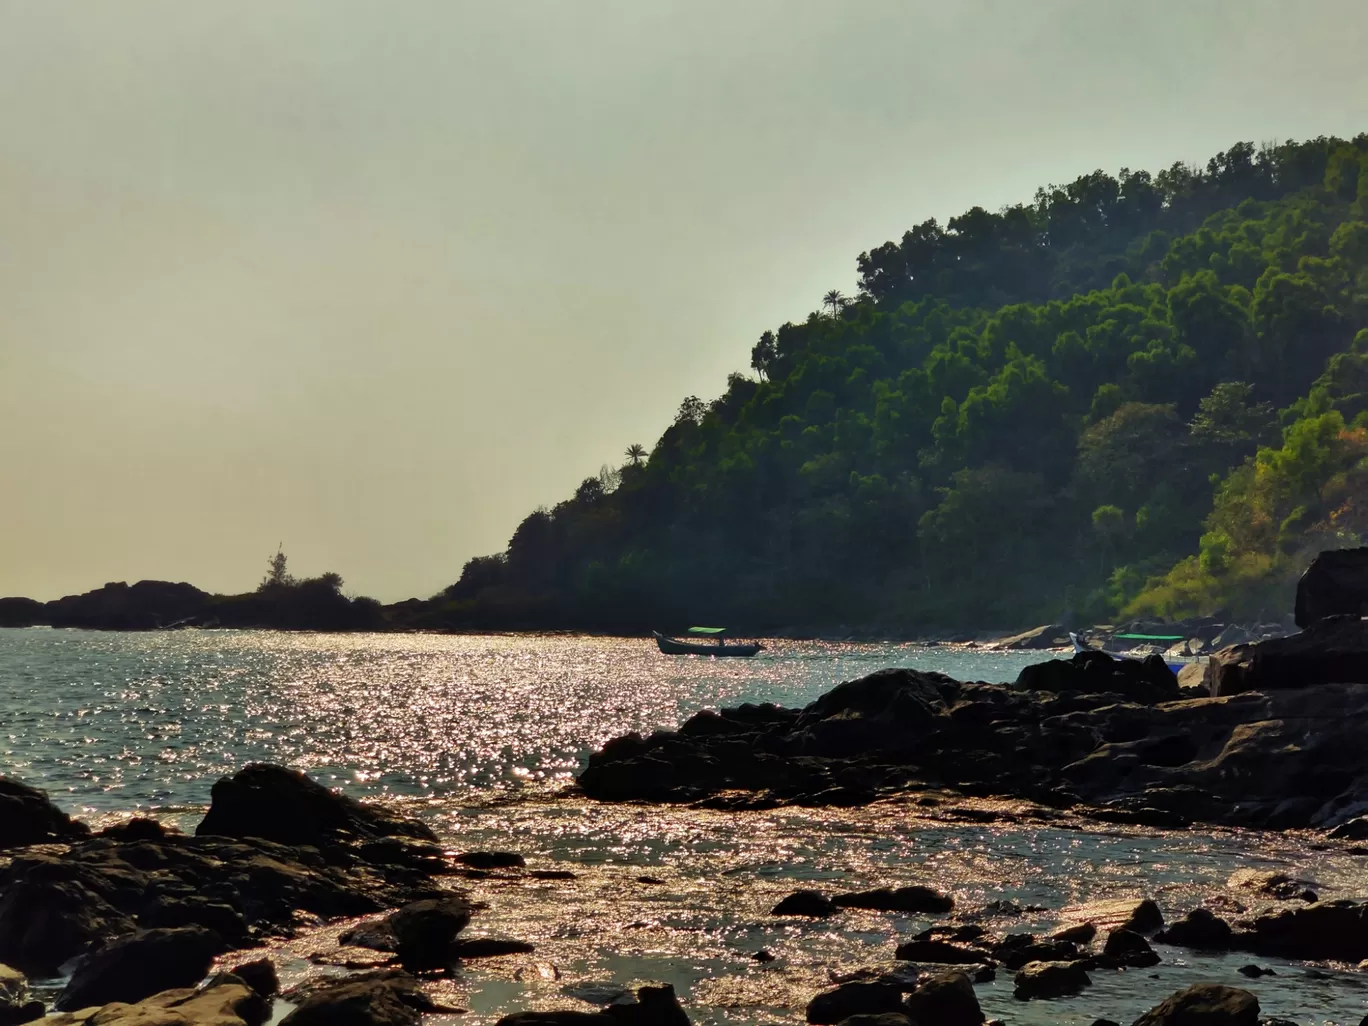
pixel 1138 394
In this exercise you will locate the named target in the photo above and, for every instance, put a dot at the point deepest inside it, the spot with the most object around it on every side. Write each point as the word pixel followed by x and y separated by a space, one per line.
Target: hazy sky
pixel 376 279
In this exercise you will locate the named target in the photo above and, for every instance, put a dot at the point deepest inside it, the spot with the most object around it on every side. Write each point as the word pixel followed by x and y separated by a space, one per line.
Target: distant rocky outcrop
pixel 22 612
pixel 145 605
pixel 1333 650
pixel 1110 739
pixel 1335 584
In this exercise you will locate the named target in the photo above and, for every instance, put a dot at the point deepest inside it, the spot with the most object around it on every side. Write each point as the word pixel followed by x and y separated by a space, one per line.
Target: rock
pixel 1335 584
pixel 1329 651
pixel 223 1001
pixel 1139 915
pixel 17 1006
pixel 1204 1004
pixel 1049 980
pixel 138 828
pixel 916 900
pixel 1127 948
pixel 196 910
pixel 283 805
pixel 1105 1022
pixel 377 999
pixel 27 817
pixel 491 860
pixel 805 903
pixel 945 1000
pixel 22 612
pixel 1015 956
pixel 1052 635
pixel 1199 929
pixel 424 931
pixel 1146 681
pixel 849 999
pixel 654 1006
pixel 763 955
pixel 145 605
pixel 1329 930
pixel 1255 971
pixel 1270 885
pixel 260 975
pixel 938 951
pixel 1194 675
pixel 488 947
pixel 45 923
pixel 133 968
pixel 1083 933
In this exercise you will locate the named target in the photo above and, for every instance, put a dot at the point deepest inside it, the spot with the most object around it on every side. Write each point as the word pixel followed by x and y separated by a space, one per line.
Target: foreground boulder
pixel 1335 584
pixel 28 817
pixel 812 904
pixel 55 906
pixel 1140 680
pixel 133 968
pixel 385 998
pixel 283 805
pixel 1049 980
pixel 1204 1004
pixel 946 1000
pixel 1332 930
pixel 839 1004
pixel 224 1001
pixel 1201 929
pixel 1329 651
pixel 424 931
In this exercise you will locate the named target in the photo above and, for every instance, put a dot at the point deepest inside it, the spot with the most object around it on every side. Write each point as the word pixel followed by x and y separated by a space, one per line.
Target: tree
pixel 636 454
pixel 835 303
pixel 278 575
pixel 764 353
pixel 691 411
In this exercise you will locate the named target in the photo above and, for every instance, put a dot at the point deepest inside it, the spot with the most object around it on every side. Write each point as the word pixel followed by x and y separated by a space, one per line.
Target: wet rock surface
pixel 1204 1004
pixel 1110 739
pixel 132 968
pixel 1050 980
pixel 28 817
pixel 223 1001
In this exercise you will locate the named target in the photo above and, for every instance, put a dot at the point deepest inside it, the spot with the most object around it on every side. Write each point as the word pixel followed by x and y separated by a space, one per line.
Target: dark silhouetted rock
pixel 805 903
pixel 283 805
pixel 491 860
pixel 881 1019
pixel 945 1000
pixel 914 899
pixel 22 612
pixel 1204 1004
pixel 1329 651
pixel 1335 584
pixel 260 975
pixel 1255 971
pixel 833 1006
pixel 45 922
pixel 424 930
pixel 1127 948
pixel 1331 930
pixel 1016 950
pixel 1083 933
pixel 1280 886
pixel 139 828
pixel 145 605
pixel 652 1006
pixel 1200 929
pixel 1049 980
pixel 27 817
pixel 132 968
pixel 1140 680
pixel 376 999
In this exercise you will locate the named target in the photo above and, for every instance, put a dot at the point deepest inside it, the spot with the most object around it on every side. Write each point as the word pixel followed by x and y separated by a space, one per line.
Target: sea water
pixel 479 735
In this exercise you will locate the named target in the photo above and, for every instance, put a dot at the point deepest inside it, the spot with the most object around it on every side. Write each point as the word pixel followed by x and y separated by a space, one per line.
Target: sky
pixel 372 281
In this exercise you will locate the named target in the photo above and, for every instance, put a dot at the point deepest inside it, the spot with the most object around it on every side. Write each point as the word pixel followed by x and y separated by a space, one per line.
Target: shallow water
pixel 477 735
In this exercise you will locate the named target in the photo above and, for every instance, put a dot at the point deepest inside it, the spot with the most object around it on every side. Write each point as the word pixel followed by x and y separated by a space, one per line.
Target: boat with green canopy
pixel 714 645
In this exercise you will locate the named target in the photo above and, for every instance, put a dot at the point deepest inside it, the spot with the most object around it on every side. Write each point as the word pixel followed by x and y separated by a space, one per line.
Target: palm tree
pixel 835 302
pixel 636 452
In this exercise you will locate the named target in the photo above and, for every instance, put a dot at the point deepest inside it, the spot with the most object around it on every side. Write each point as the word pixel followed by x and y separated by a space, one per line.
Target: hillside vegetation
pixel 1140 394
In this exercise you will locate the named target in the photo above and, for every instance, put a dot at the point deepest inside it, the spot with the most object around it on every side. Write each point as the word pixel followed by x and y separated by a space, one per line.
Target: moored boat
pixel 717 647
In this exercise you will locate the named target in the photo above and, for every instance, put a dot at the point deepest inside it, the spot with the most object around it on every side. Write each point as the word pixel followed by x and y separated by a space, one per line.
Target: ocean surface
pixel 481 735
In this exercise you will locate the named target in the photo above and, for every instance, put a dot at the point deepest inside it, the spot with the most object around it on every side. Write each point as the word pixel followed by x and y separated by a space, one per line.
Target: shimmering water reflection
pixel 117 721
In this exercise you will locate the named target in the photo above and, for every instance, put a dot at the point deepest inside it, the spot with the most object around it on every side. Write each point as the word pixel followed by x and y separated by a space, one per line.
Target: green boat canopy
pixel 1152 637
pixel 707 630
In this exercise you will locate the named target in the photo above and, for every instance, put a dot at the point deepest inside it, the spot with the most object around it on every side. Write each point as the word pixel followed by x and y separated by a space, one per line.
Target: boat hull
pixel 669 646
pixel 1172 664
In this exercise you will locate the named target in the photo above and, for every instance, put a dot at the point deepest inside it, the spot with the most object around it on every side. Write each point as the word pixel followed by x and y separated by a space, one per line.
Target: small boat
pixel 1174 664
pixel 716 647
